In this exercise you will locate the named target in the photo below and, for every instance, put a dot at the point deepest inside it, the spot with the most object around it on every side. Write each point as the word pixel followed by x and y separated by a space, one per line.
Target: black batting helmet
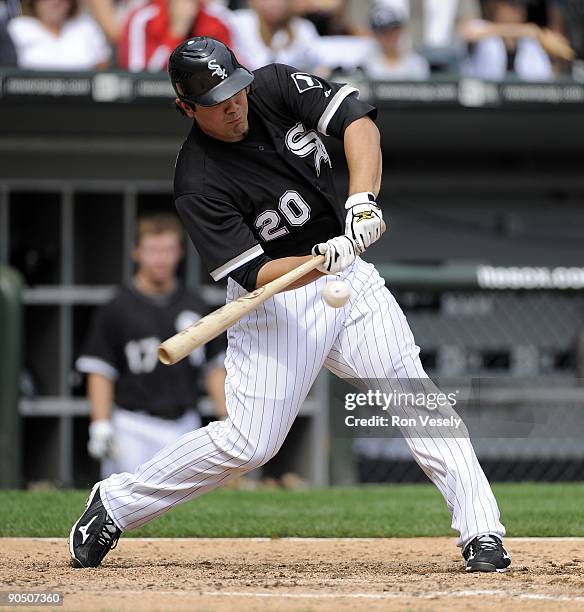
pixel 204 71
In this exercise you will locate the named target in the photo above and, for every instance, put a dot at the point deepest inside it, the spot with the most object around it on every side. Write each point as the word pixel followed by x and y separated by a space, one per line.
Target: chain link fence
pixel 524 347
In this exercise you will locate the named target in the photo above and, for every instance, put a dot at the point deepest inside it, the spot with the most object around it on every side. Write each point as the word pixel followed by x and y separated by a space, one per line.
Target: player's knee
pixel 259 456
pixel 254 454
pixel 239 451
pixel 246 459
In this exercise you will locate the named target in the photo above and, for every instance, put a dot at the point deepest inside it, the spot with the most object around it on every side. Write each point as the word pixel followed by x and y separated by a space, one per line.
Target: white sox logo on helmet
pixel 217 69
pixel 303 142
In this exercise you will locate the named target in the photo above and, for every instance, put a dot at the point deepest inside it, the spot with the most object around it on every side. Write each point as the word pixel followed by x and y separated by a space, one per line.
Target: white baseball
pixel 336 294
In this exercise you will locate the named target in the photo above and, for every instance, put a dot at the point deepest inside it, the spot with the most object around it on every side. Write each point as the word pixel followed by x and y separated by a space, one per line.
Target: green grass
pixel 373 511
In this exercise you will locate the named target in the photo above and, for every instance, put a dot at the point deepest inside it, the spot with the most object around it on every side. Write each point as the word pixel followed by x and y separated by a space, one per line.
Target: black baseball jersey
pixel 271 194
pixel 123 345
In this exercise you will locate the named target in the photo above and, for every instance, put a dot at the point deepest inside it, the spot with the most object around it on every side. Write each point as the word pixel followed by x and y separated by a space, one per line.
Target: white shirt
pixel 80 45
pixel 253 53
pixel 489 61
pixel 440 23
pixel 342 52
pixel 440 18
pixel 410 67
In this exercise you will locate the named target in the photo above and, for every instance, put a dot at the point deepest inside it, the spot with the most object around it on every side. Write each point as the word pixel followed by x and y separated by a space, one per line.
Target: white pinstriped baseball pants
pixel 273 358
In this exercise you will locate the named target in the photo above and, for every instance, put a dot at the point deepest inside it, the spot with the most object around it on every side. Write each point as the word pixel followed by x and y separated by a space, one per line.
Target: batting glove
pixel 101 439
pixel 338 252
pixel 364 221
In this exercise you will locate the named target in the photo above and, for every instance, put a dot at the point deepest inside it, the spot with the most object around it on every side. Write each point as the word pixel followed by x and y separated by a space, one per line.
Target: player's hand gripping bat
pixel 185 342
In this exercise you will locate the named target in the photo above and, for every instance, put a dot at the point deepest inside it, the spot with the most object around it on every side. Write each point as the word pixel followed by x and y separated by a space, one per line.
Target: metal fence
pixel 517 334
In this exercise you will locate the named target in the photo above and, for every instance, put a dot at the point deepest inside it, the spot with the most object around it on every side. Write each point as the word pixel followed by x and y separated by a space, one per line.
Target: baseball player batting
pixel 254 188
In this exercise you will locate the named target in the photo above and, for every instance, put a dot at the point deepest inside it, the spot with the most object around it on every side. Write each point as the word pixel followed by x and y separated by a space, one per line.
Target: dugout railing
pixel 72 258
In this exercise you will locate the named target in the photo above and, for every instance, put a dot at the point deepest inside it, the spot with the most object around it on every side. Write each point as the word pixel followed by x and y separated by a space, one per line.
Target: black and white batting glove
pixel 364 221
pixel 339 253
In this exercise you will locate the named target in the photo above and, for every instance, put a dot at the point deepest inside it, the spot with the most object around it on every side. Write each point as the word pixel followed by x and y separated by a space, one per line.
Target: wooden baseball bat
pixel 185 342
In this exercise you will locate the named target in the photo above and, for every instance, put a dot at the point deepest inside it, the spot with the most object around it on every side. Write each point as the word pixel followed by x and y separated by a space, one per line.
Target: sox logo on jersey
pixel 303 142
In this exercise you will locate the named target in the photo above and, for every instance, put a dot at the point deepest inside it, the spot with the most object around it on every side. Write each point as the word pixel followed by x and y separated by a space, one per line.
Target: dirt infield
pixel 295 574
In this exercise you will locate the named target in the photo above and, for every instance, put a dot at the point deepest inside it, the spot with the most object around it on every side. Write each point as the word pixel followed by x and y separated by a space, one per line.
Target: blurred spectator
pixel 537 12
pixel 9 9
pixel 392 58
pixel 567 17
pixel 508 44
pixel 52 35
pixel 357 13
pixel 550 14
pixel 7 50
pixel 111 15
pixel 434 27
pixel 270 32
pixel 155 29
pixel 555 15
pixel 230 4
pixel 328 16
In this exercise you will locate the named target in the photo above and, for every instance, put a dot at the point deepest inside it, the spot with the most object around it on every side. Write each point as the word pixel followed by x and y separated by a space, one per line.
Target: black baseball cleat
pixel 94 534
pixel 486 554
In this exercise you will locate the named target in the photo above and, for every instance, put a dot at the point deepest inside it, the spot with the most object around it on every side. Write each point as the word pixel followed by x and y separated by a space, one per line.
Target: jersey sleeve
pixel 101 353
pixel 218 231
pixel 320 104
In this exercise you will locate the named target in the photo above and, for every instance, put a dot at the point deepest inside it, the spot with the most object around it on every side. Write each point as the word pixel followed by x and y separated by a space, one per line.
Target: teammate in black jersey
pixel 137 405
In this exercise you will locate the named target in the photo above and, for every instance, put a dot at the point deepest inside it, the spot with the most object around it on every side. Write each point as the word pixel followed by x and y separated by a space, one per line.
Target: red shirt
pixel 146 42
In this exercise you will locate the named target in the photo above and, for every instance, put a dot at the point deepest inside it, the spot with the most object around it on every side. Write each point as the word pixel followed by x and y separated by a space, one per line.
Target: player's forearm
pixel 100 391
pixel 363 153
pixel 215 385
pixel 278 267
